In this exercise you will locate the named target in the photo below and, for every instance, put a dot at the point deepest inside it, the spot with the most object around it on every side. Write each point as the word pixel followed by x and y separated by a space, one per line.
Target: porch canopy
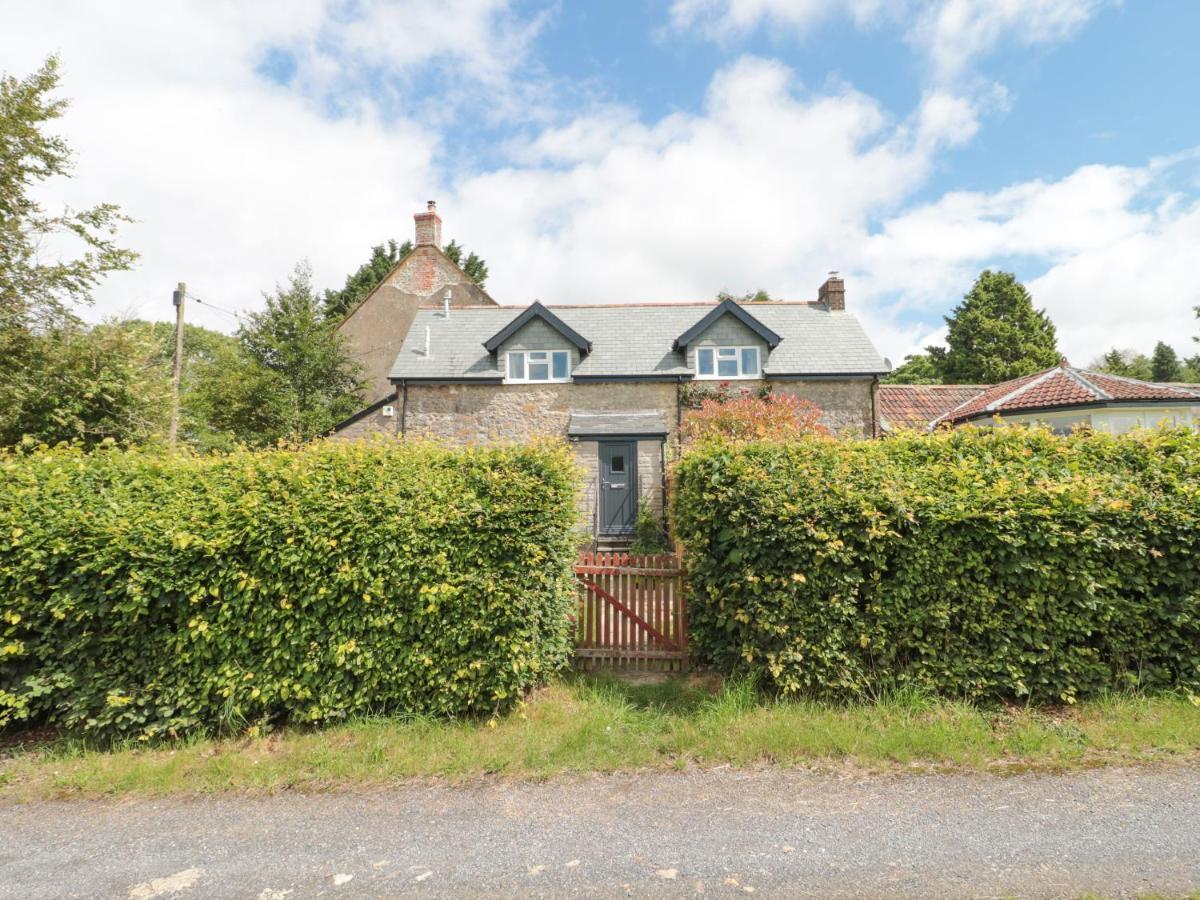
pixel 636 425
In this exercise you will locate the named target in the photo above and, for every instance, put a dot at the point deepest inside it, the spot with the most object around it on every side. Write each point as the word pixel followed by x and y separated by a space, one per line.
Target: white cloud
pixel 950 33
pixel 768 184
pixel 765 187
pixel 233 178
pixel 724 19
pixel 1110 268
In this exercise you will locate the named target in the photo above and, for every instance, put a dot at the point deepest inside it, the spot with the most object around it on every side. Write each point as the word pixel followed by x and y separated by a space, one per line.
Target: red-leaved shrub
pixel 753 416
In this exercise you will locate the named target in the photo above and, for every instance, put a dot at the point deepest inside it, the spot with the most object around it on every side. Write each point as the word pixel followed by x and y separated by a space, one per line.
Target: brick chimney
pixel 429 226
pixel 833 292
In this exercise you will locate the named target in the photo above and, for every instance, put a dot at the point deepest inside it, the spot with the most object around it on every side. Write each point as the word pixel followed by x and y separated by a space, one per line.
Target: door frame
pixel 631 469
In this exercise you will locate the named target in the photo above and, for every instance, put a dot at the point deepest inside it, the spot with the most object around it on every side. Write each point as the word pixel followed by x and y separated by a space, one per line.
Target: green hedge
pixel 143 595
pixel 979 564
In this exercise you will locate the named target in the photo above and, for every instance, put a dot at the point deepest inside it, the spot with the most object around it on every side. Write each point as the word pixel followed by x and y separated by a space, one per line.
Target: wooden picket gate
pixel 632 612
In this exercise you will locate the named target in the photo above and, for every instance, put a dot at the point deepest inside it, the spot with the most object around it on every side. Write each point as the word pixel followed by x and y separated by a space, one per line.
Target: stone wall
pixel 846 406
pixel 476 414
pixel 371 424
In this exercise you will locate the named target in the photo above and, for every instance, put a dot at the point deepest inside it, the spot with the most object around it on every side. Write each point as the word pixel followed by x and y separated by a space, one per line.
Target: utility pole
pixel 177 298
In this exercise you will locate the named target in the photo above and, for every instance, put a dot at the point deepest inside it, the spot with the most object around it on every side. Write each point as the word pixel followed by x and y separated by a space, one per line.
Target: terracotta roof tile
pixel 1064 386
pixel 915 406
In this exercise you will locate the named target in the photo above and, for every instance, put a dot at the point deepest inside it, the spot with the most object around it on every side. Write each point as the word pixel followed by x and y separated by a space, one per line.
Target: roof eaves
pixel 538 311
pixel 727 307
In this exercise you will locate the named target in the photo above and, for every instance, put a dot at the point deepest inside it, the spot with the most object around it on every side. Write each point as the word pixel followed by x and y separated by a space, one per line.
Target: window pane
pixel 750 361
pixel 560 363
pixel 618 464
pixel 538 355
pixel 539 371
pixel 727 352
pixel 727 368
pixel 704 362
pixel 516 365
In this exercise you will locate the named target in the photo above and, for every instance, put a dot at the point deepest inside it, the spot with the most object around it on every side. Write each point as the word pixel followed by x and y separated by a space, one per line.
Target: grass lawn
pixel 583 725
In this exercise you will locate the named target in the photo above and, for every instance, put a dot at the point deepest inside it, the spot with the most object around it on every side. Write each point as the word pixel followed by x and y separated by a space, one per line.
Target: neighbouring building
pixel 610 380
pixel 376 327
pixel 1061 398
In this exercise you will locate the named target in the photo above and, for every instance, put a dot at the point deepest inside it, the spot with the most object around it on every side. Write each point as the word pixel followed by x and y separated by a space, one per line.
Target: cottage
pixel 610 379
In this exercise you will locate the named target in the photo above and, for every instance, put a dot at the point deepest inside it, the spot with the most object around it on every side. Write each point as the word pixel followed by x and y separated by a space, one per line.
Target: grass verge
pixel 587 725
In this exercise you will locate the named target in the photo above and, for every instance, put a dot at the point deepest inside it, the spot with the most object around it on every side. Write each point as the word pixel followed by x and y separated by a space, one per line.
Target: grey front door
pixel 618 487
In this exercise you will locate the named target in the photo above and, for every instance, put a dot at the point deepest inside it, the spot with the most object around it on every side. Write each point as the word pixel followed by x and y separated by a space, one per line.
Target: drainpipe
pixel 662 468
pixel 679 413
pixel 874 408
pixel 404 409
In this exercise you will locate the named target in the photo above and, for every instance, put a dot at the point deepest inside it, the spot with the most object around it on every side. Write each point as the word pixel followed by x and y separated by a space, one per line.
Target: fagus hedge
pixel 979 563
pixel 145 595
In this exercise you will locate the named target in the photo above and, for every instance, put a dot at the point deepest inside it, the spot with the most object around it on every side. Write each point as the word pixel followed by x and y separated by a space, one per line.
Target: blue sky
pixel 652 150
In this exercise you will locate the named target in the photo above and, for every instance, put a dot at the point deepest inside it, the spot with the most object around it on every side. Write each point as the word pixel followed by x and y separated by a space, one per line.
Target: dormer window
pixel 525 366
pixel 727 362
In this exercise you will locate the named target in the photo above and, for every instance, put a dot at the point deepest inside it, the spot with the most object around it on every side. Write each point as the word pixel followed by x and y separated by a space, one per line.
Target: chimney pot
pixel 833 292
pixel 429 226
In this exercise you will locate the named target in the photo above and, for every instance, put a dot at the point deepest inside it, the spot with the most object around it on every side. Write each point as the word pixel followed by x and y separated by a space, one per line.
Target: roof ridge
pixel 1016 392
pixel 1187 392
pixel 1095 389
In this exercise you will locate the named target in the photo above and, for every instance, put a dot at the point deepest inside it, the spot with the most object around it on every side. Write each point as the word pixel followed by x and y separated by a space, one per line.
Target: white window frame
pixel 549 354
pixel 737 355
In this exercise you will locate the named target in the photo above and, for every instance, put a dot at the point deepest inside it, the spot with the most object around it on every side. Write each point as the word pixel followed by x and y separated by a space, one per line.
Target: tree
pixel 87 384
pixel 315 383
pixel 384 258
pixel 1191 370
pixel 46 355
pixel 1164 363
pixel 1124 362
pixel 36 291
pixel 473 265
pixel 996 334
pixel 917 368
pixel 364 279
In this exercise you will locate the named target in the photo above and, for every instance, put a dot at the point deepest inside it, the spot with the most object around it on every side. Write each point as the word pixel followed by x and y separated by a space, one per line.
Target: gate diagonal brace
pixel 614 602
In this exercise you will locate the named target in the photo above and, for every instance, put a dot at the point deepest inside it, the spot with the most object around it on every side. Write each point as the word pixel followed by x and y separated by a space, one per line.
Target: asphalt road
pixel 771 833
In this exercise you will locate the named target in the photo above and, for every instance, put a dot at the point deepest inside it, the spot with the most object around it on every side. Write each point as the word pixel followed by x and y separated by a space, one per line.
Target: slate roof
pixel 1065 386
pixel 646 424
pixel 916 406
pixel 636 340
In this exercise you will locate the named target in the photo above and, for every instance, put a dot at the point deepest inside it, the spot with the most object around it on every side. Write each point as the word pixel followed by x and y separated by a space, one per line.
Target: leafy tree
pixel 36 291
pixel 364 279
pixel 1124 362
pixel 995 334
pixel 309 383
pixel 1191 369
pixel 1164 363
pixel 87 384
pixel 473 265
pixel 45 352
pixel 384 258
pixel 917 368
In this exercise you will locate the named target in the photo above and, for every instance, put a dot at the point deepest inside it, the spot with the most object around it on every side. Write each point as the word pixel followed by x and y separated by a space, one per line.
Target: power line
pixel 212 305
